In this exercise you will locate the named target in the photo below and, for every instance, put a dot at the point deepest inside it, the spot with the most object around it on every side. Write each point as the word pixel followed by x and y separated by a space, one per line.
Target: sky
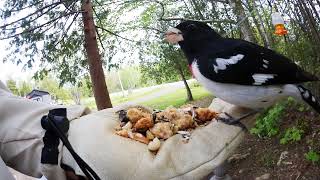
pixel 9 70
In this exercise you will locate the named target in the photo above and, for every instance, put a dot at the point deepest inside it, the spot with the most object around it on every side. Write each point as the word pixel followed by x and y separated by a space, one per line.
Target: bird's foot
pixel 230 120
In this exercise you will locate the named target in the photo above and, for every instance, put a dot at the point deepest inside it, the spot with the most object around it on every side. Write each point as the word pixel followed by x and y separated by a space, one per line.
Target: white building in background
pixel 41 96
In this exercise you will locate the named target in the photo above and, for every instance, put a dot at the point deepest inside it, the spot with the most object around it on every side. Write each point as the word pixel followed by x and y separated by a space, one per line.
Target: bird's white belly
pixel 255 97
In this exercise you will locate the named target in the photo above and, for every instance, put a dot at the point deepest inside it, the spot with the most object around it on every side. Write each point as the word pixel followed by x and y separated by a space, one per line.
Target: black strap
pixel 87 170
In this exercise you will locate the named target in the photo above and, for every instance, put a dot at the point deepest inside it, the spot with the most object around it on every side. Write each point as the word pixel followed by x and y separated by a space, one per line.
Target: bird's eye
pixel 192 26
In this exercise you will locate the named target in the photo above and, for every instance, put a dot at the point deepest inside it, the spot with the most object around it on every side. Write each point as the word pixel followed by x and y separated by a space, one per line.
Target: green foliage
pixel 52 86
pixel 195 84
pixel 267 124
pixel 11 84
pixel 131 78
pixel 47 32
pixel 51 32
pixel 85 87
pixel 291 135
pixel 176 99
pixel 312 156
pixel 167 64
pixel 24 88
pixel 147 15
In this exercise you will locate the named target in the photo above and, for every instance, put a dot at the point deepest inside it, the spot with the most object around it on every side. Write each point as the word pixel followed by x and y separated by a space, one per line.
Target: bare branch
pixel 152 28
pixel 162 9
pixel 185 19
pixel 99 37
pixel 222 1
pixel 120 2
pixel 117 35
pixel 16 10
pixel 71 5
pixel 32 20
pixel 187 7
pixel 31 14
pixel 40 26
pixel 101 5
pixel 197 9
pixel 68 28
pixel 47 29
pixel 100 40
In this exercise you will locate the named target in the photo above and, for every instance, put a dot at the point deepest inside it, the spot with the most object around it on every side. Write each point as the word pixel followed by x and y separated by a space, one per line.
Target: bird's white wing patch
pixel 261 78
pixel 222 63
pixel 266 61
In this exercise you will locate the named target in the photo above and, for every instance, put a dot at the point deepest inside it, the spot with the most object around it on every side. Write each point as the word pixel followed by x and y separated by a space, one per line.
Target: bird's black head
pixel 191 32
pixel 193 37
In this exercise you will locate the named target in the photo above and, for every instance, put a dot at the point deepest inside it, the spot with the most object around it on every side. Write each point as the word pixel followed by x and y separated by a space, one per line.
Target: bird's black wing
pixel 241 62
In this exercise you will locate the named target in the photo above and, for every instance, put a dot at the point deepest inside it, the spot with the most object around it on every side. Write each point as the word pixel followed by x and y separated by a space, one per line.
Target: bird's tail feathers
pixel 307 96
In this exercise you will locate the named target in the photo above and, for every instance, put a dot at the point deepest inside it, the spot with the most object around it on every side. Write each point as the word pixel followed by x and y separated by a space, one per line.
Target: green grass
pixel 268 123
pixel 176 99
pixel 117 99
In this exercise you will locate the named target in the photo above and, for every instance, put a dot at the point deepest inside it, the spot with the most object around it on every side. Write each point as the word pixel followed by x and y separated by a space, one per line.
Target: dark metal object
pixel 50 151
pixel 220 172
pixel 57 125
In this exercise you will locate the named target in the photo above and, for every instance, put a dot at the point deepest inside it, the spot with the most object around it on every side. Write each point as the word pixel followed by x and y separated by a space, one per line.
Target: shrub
pixel 292 134
pixel 267 124
pixel 312 156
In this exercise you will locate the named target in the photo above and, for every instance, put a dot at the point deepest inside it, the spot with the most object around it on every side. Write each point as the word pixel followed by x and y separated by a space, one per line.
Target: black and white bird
pixel 240 72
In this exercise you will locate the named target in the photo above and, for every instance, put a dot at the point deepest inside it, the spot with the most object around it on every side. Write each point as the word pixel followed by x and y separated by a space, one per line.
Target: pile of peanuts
pixel 152 128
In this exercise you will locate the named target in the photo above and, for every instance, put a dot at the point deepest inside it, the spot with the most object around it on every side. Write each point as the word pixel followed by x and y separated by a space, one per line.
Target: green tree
pixel 11 84
pixel 24 88
pixel 130 77
pixel 168 64
pixel 85 87
pixel 52 31
pixel 52 86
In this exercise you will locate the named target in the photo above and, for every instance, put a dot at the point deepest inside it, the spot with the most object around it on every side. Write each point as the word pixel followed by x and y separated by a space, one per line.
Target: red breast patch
pixel 190 68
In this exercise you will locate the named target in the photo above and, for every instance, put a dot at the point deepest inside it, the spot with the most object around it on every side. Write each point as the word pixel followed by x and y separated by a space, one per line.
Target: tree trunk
pixel 76 96
pixel 100 90
pixel 264 34
pixel 122 89
pixel 267 19
pixel 310 19
pixel 214 15
pixel 187 7
pixel 304 27
pixel 189 94
pixel 314 10
pixel 244 25
pixel 259 25
pixel 229 17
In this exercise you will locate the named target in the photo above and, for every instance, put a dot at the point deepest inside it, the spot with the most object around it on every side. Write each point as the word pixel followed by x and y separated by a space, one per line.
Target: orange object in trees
pixel 278 22
pixel 280 30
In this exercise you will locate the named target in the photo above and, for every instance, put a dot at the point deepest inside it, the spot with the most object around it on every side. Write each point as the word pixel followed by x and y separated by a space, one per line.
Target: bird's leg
pixel 236 121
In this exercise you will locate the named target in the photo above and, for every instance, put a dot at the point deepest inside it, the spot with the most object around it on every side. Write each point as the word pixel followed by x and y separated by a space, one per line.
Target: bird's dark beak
pixel 173 36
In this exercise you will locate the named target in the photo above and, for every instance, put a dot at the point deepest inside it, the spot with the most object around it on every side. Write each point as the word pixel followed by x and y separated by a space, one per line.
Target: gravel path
pixel 165 89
